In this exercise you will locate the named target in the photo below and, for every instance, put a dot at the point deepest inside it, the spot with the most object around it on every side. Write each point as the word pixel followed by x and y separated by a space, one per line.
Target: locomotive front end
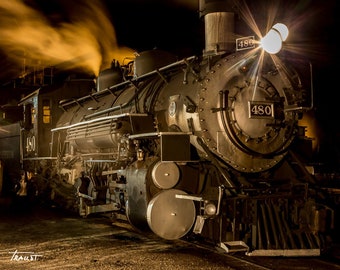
pixel 249 104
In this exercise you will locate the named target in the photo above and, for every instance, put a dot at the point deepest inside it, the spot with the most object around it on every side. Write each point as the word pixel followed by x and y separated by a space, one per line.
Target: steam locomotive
pixel 207 148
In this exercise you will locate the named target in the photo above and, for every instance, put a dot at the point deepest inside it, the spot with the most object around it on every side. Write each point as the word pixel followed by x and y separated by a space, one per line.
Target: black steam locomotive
pixel 207 148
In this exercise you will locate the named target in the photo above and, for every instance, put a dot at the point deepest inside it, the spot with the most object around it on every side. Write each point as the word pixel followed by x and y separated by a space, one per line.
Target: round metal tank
pixel 148 61
pixel 109 77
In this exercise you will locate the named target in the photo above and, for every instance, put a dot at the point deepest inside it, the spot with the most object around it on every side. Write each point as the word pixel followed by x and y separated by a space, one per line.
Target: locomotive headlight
pixel 210 209
pixel 272 41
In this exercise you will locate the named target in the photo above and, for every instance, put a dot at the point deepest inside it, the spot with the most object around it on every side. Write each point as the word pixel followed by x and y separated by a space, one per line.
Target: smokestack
pixel 219 26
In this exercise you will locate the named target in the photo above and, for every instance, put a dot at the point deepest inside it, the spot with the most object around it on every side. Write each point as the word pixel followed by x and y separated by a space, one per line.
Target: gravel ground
pixel 45 238
pixel 50 239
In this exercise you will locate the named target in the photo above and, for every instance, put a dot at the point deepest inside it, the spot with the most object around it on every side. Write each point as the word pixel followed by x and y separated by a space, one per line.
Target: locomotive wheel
pixel 170 217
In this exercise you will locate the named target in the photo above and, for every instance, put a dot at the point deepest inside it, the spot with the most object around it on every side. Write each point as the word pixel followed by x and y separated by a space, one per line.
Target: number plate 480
pixel 260 109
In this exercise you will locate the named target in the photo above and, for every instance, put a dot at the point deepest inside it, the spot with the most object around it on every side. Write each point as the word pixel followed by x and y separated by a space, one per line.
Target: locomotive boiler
pixel 205 148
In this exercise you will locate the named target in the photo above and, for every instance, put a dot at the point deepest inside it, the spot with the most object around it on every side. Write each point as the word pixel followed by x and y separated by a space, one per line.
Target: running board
pixel 284 252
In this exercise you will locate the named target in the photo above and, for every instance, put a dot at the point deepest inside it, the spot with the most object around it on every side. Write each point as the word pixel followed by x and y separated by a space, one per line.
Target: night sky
pixel 175 26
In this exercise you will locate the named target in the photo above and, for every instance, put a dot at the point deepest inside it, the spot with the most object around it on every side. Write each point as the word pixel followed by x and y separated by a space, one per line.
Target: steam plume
pixel 85 40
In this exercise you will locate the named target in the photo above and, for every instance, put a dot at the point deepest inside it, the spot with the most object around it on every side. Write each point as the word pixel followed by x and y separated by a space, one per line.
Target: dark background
pixel 175 26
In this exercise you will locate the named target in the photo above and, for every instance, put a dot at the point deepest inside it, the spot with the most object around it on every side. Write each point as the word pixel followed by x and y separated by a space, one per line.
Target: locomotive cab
pixel 41 111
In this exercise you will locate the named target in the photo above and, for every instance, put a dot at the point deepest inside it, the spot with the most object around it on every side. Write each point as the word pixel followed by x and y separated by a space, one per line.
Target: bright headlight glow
pixel 282 29
pixel 272 41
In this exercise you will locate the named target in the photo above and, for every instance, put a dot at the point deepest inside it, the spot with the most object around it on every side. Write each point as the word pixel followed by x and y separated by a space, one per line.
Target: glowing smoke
pixel 85 41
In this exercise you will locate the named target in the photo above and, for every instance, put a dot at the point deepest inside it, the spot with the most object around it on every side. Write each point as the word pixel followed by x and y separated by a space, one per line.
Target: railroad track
pixel 241 261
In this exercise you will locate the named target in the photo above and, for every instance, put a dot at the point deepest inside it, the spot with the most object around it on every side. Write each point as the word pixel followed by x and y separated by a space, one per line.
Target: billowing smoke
pixel 84 38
